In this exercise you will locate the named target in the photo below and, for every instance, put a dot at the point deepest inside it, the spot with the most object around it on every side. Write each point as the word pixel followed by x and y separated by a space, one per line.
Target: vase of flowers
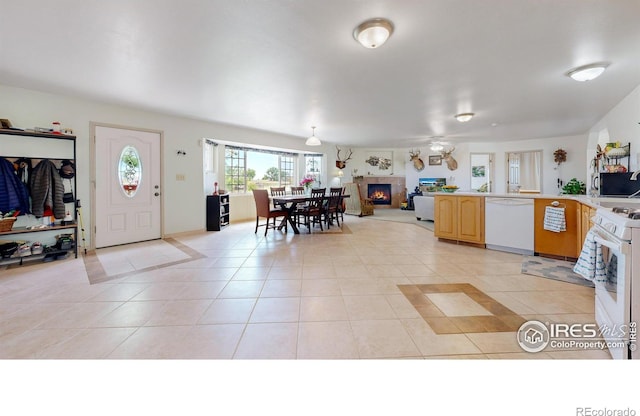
pixel 307 182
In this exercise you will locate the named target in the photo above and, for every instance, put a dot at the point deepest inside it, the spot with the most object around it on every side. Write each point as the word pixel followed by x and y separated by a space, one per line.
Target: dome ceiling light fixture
pixel 373 33
pixel 313 140
pixel 587 72
pixel 464 117
pixel 438 145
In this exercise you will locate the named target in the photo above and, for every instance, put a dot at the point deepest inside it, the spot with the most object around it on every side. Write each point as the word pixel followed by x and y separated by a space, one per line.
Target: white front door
pixel 127 186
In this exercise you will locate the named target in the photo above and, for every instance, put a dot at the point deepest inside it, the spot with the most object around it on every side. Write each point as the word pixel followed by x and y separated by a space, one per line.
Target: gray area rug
pixel 553 269
pixel 399 215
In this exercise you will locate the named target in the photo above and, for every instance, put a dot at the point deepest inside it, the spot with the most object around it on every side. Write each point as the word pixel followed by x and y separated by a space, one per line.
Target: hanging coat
pixel 47 190
pixel 13 193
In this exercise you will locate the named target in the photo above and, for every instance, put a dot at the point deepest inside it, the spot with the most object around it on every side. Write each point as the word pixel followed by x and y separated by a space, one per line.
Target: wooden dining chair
pixel 334 206
pixel 277 191
pixel 264 210
pixel 299 210
pixel 314 210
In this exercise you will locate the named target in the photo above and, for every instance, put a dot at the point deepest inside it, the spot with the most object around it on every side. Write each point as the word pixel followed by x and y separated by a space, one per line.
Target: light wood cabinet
pixel 560 244
pixel 460 218
pixel 446 217
pixel 586 213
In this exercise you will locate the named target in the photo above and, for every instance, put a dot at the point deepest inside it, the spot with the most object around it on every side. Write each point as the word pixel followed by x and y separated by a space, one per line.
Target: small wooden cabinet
pixel 586 213
pixel 217 212
pixel 459 218
pixel 565 244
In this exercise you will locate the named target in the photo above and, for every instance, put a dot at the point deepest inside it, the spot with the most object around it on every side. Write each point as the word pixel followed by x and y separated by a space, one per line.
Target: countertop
pixel 595 202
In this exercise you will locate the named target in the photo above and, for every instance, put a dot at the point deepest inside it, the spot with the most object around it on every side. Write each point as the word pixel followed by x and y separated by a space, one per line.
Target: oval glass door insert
pixel 130 171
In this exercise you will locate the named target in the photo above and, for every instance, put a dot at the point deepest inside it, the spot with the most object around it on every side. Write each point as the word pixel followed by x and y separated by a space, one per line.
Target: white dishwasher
pixel 509 224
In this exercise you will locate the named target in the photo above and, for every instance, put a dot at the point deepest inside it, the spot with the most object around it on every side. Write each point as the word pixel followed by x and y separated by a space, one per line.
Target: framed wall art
pixel 380 163
pixel 435 160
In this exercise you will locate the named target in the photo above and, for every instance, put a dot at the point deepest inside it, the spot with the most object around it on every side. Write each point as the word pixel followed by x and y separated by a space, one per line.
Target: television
pixel 431 184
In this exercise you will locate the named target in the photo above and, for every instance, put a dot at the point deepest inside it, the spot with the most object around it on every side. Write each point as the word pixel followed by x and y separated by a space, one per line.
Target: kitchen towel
pixel 590 264
pixel 554 219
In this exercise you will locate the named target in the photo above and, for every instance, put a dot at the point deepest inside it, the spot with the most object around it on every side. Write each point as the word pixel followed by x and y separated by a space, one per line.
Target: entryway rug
pixel 553 269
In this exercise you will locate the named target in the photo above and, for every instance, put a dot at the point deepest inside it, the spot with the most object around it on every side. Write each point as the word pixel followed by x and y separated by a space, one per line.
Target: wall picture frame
pixel 435 160
pixel 477 171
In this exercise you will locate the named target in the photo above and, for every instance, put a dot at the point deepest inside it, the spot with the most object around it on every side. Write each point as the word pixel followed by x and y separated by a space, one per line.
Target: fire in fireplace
pixel 380 193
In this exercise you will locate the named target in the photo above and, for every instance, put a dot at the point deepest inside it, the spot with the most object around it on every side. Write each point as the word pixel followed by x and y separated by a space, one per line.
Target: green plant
pixel 574 187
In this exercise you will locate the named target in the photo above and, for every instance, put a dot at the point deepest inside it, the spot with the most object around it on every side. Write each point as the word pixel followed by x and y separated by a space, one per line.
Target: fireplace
pixel 379 193
pixel 398 188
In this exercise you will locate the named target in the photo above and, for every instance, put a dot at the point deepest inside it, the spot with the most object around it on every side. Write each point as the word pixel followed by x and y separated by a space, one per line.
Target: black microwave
pixel 618 184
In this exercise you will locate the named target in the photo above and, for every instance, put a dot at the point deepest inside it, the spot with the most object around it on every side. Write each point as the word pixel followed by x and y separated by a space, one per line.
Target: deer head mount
pixel 450 161
pixel 418 164
pixel 342 163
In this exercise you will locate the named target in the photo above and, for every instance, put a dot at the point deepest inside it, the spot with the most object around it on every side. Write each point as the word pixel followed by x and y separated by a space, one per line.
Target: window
pixel 235 175
pixel 247 169
pixel 129 171
pixel 313 168
pixel 287 165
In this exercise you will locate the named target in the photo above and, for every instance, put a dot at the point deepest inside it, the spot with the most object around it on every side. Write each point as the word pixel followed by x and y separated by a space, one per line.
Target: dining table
pixel 290 203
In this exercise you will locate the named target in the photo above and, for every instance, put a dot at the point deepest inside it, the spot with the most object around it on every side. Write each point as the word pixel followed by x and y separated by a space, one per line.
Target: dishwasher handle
pixel 510 201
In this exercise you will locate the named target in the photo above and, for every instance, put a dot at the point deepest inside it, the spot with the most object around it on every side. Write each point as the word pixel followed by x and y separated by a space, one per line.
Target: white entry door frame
pixel 121 213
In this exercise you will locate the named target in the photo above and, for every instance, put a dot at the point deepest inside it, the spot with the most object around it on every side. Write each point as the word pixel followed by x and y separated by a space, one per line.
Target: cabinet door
pixel 585 222
pixel 471 219
pixel 445 217
pixel 561 244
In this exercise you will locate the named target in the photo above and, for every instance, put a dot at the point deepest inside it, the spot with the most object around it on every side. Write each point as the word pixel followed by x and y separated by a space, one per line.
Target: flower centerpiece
pixel 307 182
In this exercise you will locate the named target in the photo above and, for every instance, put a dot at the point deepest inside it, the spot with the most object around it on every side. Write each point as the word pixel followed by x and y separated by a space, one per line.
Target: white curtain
pixel 530 168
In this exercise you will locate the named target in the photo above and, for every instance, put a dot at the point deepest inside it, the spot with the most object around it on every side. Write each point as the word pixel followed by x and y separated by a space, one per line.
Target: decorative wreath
pixel 559 156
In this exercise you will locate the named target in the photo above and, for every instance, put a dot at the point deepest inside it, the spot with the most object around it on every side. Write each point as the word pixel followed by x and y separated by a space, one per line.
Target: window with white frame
pixel 250 168
pixel 313 168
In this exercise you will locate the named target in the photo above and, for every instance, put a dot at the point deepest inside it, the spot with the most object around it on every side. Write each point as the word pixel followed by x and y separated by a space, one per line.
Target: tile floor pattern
pixel 235 294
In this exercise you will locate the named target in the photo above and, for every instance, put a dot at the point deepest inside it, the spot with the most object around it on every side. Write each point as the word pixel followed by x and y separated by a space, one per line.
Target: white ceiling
pixel 285 65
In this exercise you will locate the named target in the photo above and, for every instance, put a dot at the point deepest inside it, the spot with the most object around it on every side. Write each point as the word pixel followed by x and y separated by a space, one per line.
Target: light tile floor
pixel 235 294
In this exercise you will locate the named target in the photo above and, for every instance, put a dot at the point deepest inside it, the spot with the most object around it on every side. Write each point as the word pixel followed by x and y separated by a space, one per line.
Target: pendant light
pixel 313 140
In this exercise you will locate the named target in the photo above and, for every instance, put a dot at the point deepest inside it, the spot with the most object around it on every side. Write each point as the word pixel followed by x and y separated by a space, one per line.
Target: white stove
pixel 619 221
pixel 617 301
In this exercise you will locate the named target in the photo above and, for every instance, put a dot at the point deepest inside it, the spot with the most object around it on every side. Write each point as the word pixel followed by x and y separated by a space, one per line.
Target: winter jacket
pixel 13 193
pixel 46 190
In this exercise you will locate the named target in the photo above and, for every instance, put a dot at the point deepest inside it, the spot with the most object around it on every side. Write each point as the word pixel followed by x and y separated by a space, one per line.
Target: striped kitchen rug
pixel 553 269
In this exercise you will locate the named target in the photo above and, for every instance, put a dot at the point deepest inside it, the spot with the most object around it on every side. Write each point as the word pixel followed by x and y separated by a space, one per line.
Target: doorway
pixel 524 172
pixel 127 176
pixel 482 172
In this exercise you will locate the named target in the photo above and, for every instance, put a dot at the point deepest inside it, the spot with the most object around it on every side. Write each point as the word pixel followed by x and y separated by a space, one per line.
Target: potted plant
pixel 574 187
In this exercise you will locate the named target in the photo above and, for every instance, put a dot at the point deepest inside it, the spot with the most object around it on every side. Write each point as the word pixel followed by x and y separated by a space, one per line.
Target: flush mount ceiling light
pixel 313 140
pixel 436 147
pixel 587 72
pixel 464 117
pixel 373 33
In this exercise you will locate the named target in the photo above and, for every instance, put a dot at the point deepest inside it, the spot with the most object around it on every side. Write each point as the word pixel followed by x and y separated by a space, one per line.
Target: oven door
pixel 612 298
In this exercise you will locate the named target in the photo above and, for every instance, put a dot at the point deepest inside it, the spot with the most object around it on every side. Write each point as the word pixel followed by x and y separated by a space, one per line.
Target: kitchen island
pixel 469 217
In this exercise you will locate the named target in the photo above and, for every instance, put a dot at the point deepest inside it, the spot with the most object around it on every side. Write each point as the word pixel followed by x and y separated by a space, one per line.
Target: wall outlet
pixel 180 177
